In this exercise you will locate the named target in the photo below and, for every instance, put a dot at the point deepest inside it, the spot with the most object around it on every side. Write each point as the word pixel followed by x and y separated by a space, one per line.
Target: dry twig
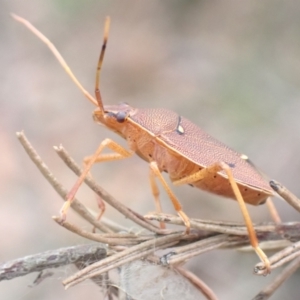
pixel 76 205
pixel 206 290
pixel 290 198
pixel 51 259
pixel 128 247
pixel 135 217
pixel 269 290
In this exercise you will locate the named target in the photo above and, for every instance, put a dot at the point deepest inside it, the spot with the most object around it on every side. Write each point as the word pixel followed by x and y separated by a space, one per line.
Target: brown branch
pixel 203 287
pixel 269 290
pixel 182 254
pixel 290 198
pixel 111 239
pixel 282 257
pixel 205 236
pixel 51 259
pixel 135 252
pixel 138 219
pixel 265 231
pixel 76 205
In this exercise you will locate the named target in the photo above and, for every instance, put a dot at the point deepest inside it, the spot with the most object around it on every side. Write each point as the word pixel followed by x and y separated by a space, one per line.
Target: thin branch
pixel 111 239
pixel 269 290
pixel 198 224
pixel 206 235
pixel 265 231
pixel 203 287
pixel 76 205
pixel 182 254
pixel 138 219
pixel 290 198
pixel 111 261
pixel 282 257
pixel 51 259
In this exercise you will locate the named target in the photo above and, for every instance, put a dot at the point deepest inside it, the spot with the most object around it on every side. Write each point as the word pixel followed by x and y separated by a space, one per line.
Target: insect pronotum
pixel 170 143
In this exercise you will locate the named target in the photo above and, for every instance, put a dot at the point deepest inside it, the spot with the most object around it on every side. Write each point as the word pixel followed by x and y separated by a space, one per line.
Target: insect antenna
pixel 58 57
pixel 99 66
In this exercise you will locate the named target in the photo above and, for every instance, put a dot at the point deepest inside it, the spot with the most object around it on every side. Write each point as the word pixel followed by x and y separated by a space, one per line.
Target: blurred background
pixel 232 68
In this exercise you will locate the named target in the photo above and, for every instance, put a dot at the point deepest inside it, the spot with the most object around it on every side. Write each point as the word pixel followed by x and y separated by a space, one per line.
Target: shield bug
pixel 171 143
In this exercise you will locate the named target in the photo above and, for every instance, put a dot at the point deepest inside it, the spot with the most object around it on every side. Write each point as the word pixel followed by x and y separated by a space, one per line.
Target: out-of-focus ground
pixel 233 68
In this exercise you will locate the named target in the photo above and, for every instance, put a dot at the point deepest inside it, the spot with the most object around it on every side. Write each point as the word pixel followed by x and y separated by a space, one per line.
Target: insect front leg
pixel 251 232
pixel 120 153
pixel 155 172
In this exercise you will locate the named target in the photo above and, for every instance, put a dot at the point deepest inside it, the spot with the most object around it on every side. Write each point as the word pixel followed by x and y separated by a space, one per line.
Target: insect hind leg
pixel 250 228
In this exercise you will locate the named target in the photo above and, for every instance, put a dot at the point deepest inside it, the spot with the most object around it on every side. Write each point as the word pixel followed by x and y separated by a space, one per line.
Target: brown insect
pixel 173 144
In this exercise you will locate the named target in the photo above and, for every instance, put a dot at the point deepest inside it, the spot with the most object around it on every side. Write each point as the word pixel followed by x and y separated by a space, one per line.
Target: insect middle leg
pixel 155 192
pixel 119 153
pixel 251 232
pixel 155 172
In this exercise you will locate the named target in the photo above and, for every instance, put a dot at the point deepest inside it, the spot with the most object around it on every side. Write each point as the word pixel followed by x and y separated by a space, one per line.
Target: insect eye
pixel 121 116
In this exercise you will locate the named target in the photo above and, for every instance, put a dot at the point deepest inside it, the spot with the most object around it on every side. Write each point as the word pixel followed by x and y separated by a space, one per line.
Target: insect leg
pixel 251 232
pixel 271 207
pixel 120 153
pixel 155 192
pixel 273 211
pixel 248 221
pixel 103 158
pixel 156 172
pixel 102 208
pixel 198 175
